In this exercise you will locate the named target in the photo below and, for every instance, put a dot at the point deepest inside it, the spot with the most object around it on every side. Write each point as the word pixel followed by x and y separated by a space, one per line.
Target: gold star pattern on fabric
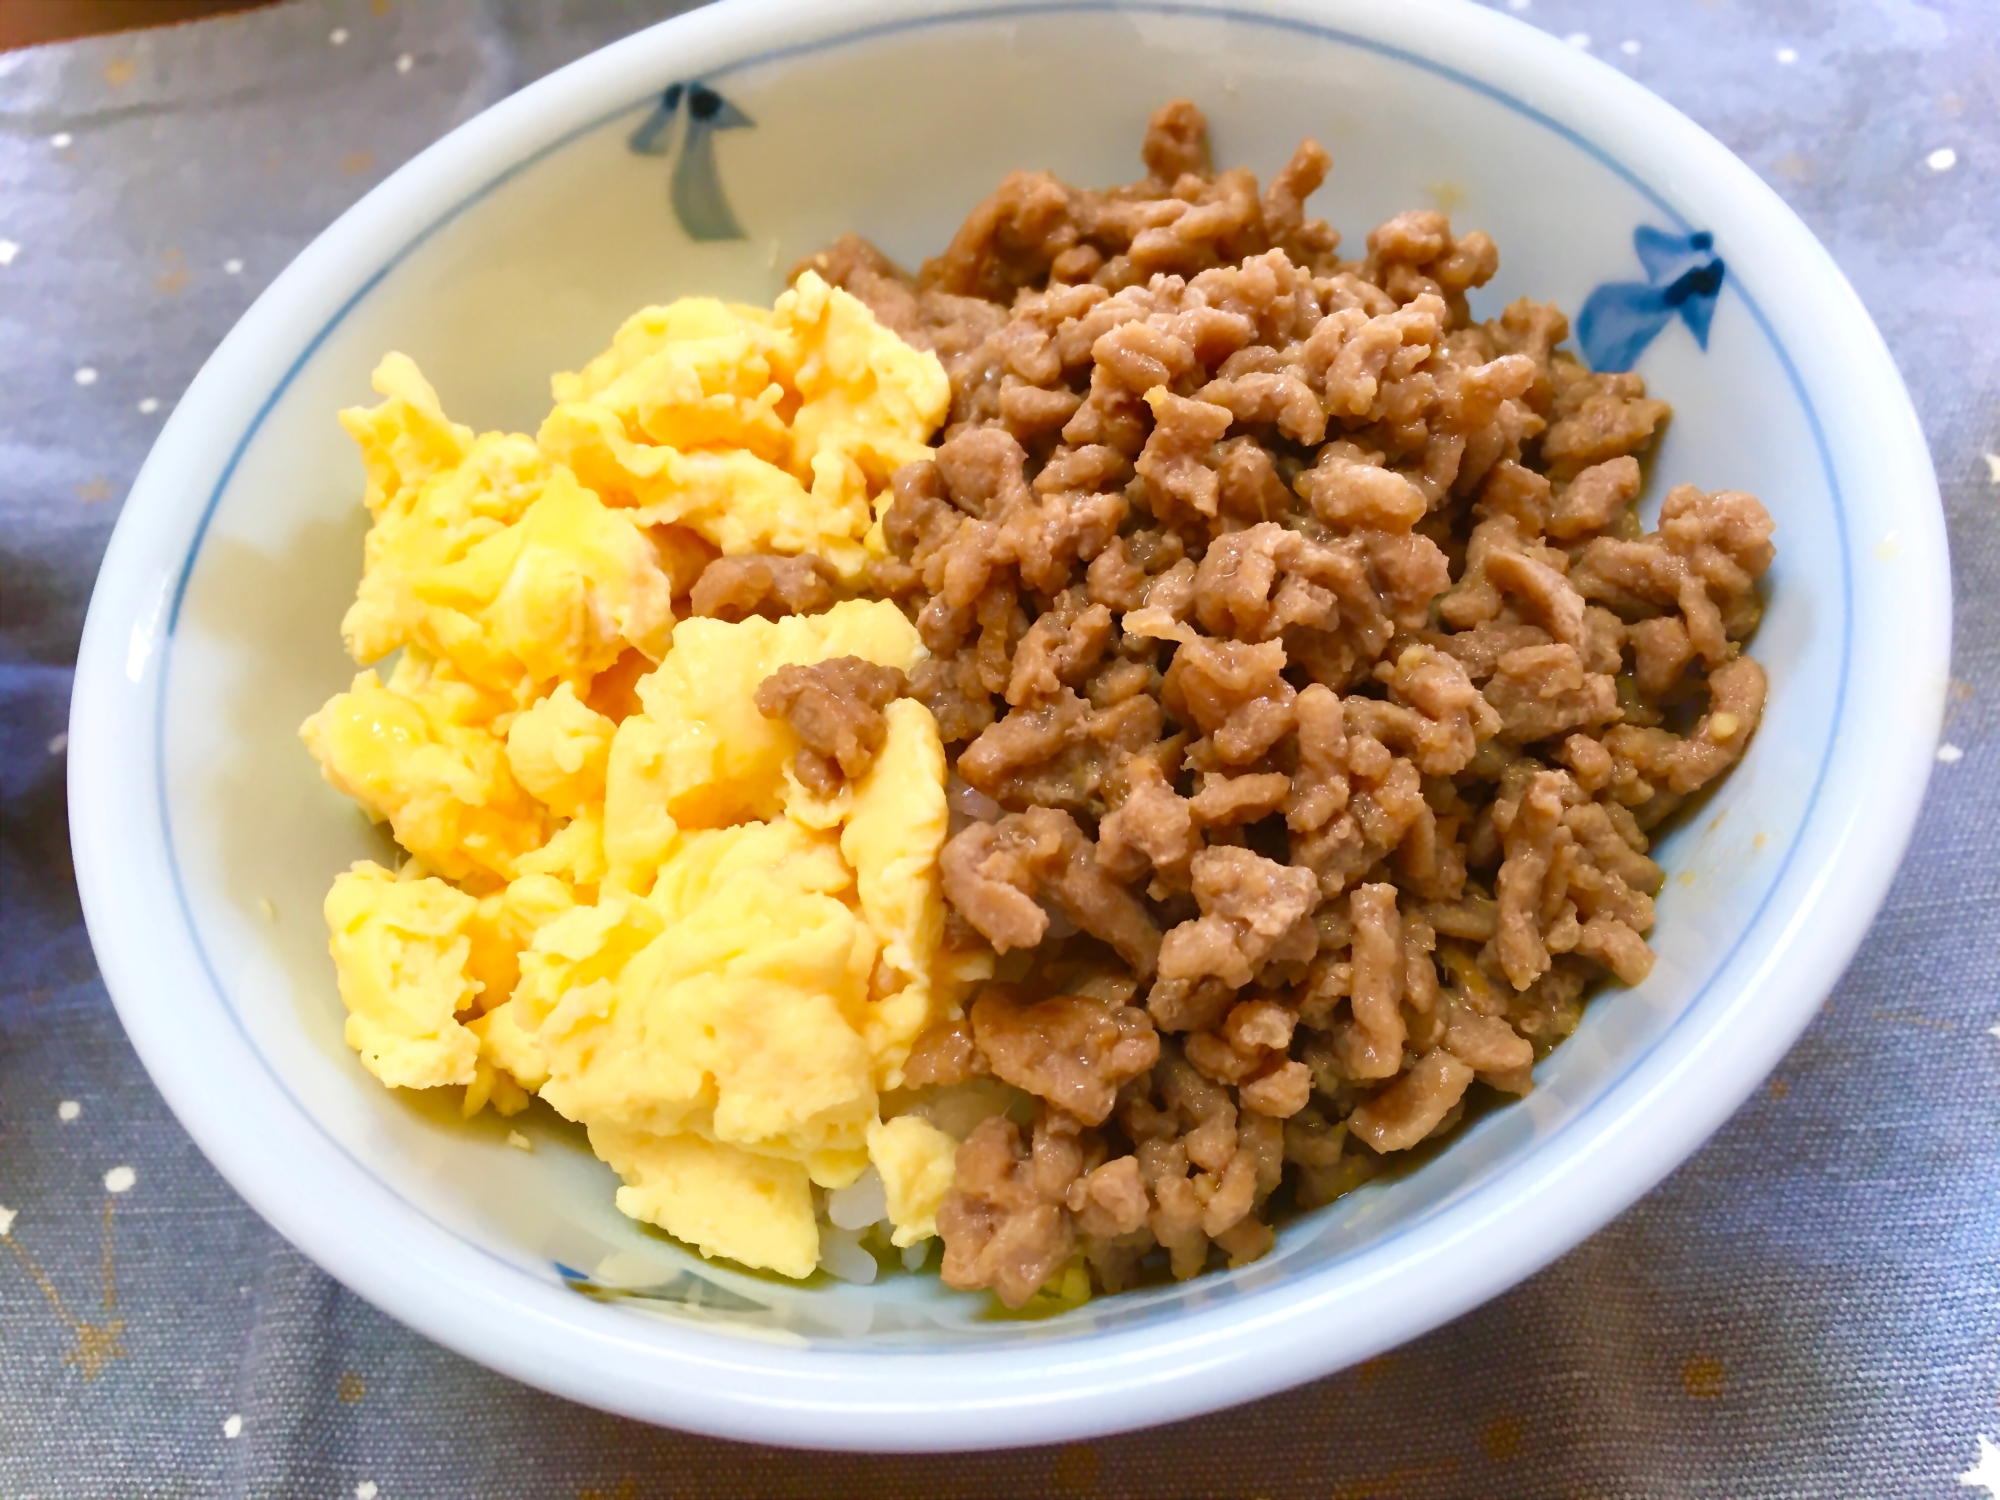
pixel 1501 1437
pixel 1703 1377
pixel 1371 1370
pixel 1078 1468
pixel 97 1344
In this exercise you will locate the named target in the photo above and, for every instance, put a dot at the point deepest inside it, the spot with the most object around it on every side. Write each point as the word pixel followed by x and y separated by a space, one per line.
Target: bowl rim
pixel 1224 1351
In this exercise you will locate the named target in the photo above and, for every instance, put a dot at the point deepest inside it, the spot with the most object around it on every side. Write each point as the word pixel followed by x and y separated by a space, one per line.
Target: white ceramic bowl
pixel 514 247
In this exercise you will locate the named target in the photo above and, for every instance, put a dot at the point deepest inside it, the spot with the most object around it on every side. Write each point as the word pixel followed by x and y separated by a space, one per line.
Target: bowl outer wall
pixel 1498 1233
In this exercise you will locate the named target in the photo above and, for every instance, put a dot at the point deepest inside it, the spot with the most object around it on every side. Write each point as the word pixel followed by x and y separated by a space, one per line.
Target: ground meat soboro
pixel 1311 680
pixel 835 708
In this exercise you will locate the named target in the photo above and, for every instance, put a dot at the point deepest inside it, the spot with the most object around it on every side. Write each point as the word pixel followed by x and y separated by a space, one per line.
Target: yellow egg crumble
pixel 619 897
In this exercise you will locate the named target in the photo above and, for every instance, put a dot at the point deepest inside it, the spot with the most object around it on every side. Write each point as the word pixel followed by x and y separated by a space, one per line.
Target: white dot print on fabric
pixel 68 1110
pixel 1942 160
pixel 232 1426
pixel 120 1180
pixel 1984 1475
pixel 86 376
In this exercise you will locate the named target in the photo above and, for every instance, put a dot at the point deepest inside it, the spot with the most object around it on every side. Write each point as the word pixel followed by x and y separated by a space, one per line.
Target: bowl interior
pixel 896 133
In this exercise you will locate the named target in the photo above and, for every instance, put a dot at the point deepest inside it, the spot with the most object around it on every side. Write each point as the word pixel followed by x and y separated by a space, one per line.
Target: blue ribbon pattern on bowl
pixel 1683 275
pixel 699 202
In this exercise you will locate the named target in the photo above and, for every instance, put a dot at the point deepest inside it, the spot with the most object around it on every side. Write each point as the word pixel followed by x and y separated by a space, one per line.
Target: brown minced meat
pixel 835 708
pixel 1311 688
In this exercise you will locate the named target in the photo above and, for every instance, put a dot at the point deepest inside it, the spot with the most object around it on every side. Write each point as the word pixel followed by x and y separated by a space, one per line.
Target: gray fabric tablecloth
pixel 1811 1306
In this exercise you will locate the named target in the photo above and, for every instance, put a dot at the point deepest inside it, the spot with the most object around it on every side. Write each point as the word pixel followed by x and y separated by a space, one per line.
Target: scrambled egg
pixel 761 431
pixel 619 897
